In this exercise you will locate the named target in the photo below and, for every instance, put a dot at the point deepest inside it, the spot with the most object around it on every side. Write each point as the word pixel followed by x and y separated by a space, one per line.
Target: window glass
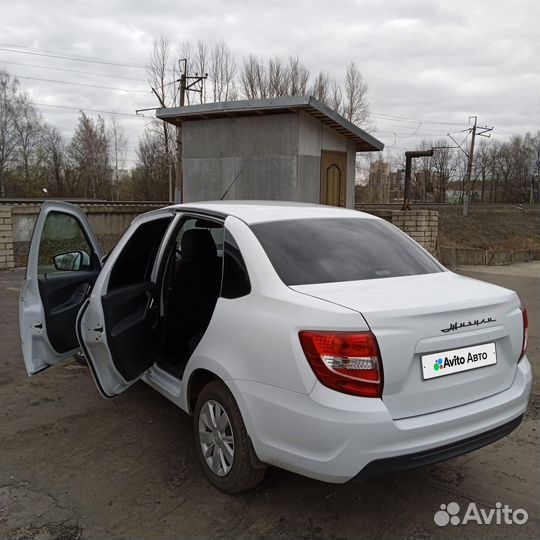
pixel 235 275
pixel 136 260
pixel 305 251
pixel 213 227
pixel 63 246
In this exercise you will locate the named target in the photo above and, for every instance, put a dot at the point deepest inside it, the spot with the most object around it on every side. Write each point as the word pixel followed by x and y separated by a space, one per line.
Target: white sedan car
pixel 321 340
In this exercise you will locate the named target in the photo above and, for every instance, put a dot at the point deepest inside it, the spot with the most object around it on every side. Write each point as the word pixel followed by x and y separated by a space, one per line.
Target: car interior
pixel 146 321
pixel 192 284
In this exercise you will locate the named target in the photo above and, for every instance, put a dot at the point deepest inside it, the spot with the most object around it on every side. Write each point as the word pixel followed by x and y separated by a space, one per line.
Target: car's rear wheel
pixel 222 443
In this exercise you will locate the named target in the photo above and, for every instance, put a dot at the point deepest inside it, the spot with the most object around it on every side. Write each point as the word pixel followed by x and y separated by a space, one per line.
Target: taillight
pixel 348 362
pixel 525 331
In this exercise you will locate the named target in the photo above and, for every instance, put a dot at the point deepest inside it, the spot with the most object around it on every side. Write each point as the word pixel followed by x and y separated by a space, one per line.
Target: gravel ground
pixel 73 465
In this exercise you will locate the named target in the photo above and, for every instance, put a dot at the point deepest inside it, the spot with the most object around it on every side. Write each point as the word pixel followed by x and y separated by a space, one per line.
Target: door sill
pixel 161 379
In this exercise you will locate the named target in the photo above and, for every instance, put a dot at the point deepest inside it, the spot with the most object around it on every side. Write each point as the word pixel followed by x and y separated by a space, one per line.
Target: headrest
pixel 198 244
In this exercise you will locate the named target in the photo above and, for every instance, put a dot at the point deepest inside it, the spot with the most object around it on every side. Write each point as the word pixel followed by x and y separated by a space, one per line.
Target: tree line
pixel 37 159
pixel 502 172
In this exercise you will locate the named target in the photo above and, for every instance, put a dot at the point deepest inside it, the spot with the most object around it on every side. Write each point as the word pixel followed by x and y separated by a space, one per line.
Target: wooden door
pixel 333 178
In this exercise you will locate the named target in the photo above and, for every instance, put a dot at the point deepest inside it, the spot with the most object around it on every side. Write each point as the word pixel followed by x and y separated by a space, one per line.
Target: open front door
pixel 117 327
pixel 63 265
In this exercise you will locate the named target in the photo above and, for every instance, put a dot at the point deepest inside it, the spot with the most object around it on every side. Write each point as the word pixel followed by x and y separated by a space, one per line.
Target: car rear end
pixel 437 367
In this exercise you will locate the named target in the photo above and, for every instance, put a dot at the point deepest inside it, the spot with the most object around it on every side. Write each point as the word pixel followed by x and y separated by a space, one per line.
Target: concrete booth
pixel 287 148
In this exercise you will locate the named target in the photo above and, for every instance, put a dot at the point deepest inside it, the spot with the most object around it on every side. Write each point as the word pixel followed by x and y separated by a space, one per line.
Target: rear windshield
pixel 305 251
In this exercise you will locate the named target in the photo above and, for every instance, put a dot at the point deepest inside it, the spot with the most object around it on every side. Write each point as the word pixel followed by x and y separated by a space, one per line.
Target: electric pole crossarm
pixel 458 145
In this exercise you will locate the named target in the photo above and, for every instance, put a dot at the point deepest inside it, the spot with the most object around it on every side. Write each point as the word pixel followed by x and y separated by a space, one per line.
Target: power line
pixel 73 71
pixel 390 117
pixel 81 84
pixel 86 109
pixel 58 54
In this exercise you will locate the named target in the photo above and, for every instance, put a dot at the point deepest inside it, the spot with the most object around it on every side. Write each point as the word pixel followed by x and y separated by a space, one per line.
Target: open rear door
pixel 117 326
pixel 63 265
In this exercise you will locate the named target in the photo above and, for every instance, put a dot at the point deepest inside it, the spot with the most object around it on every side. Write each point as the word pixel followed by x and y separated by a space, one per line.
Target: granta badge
pixel 458 325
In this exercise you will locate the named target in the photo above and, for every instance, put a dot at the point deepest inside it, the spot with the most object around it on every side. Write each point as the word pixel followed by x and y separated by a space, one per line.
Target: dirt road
pixel 73 465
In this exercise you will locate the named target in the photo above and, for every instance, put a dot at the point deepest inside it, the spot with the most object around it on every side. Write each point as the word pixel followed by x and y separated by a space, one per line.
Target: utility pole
pixel 183 88
pixel 467 191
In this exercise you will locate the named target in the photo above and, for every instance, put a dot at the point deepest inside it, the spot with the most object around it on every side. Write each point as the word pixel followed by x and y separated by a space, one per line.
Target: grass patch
pixel 489 228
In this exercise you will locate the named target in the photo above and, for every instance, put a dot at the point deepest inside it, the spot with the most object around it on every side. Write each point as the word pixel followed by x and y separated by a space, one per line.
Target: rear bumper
pixel 436 455
pixel 336 438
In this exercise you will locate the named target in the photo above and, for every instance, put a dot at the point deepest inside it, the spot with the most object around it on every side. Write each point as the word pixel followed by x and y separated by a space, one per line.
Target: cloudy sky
pixel 429 64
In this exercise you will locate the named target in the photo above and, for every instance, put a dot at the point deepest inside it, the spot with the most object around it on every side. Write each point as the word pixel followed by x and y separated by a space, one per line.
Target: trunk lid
pixel 413 316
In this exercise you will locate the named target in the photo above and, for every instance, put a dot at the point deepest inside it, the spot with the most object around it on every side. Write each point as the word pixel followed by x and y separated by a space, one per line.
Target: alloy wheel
pixel 216 438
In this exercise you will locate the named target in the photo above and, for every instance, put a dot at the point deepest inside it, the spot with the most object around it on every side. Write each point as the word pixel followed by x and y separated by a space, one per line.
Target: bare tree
pixel 222 73
pixel 356 106
pixel 201 62
pixel 298 77
pixel 335 98
pixel 149 177
pixel 55 162
pixel 320 88
pixel 278 78
pixel 481 167
pixel 254 78
pixel 30 152
pixel 89 150
pixel 118 146
pixel 443 167
pixel 9 101
pixel 162 73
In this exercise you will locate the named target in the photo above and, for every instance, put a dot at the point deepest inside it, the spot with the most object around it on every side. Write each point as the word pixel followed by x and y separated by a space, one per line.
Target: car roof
pixel 261 211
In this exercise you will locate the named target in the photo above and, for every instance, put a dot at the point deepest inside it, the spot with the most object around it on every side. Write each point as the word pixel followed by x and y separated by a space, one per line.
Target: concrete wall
pixel 458 256
pixel 110 221
pixel 421 225
pixel 264 148
pixel 279 156
pixel 6 238
pixel 17 225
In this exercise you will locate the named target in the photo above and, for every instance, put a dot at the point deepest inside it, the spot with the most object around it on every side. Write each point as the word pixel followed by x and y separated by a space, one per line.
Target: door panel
pixel 62 297
pixel 117 327
pixel 131 318
pixel 63 264
pixel 333 178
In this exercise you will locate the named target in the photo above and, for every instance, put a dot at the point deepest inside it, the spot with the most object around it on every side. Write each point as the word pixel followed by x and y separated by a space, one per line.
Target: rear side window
pixel 306 251
pixel 235 275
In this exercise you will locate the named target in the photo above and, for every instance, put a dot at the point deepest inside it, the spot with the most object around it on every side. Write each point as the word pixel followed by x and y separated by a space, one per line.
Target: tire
pixel 230 474
pixel 80 359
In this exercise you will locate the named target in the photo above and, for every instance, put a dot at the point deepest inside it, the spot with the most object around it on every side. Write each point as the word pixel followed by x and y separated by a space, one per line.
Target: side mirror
pixel 71 261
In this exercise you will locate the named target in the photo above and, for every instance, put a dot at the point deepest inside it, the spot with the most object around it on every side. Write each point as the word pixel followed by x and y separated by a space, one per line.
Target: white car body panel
pixel 295 422
pixel 332 437
pixel 407 315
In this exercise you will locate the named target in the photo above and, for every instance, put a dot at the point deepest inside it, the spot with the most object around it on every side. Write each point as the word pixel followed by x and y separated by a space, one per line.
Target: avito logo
pixel 500 515
pixel 448 362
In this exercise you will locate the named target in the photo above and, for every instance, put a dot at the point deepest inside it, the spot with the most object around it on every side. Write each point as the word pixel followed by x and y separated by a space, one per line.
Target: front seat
pixel 195 288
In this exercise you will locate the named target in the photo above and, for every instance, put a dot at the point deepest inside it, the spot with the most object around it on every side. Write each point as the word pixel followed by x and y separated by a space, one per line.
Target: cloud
pixel 430 61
